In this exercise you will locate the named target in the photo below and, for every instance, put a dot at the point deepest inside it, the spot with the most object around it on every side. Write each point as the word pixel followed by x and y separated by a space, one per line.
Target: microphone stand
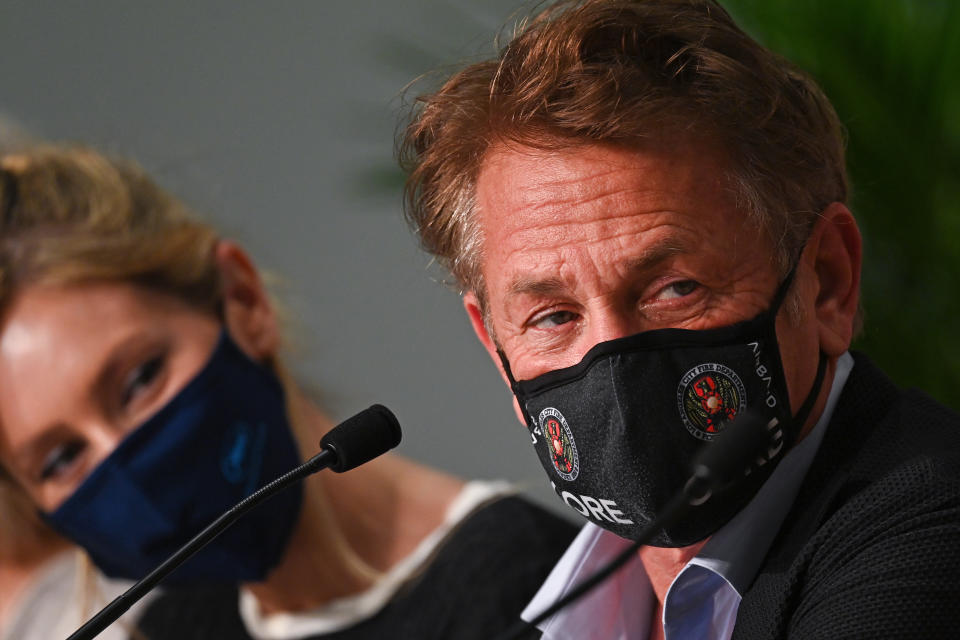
pixel 123 602
pixel 353 442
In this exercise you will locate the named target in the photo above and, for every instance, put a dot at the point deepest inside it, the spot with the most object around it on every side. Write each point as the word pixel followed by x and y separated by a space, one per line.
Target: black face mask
pixel 617 433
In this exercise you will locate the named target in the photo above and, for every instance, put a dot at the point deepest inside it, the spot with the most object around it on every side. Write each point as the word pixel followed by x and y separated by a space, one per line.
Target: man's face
pixel 593 243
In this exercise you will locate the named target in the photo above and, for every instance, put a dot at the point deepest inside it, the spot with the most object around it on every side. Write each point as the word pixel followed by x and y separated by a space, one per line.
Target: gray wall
pixel 276 119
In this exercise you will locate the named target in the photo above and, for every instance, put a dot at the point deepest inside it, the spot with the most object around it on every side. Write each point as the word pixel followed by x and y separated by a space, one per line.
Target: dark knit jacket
pixel 476 585
pixel 871 546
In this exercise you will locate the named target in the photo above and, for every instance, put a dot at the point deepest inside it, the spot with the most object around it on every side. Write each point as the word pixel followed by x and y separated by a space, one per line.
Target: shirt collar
pixel 736 550
pixel 734 553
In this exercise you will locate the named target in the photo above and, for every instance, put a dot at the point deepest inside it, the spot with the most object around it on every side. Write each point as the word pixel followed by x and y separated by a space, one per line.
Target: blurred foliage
pixel 892 70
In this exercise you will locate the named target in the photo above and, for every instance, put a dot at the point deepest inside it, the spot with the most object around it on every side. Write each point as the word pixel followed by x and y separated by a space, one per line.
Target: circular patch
pixel 563 450
pixel 709 395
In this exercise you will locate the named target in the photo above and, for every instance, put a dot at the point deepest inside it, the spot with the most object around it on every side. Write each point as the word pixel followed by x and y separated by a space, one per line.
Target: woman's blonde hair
pixel 71 214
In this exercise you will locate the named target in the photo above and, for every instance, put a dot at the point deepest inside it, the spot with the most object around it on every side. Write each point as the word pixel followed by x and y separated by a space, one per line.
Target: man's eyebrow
pixel 650 257
pixel 654 255
pixel 536 286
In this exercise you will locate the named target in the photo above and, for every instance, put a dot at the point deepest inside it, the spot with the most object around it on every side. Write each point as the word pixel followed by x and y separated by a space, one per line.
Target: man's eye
pixel 678 289
pixel 60 458
pixel 140 378
pixel 554 319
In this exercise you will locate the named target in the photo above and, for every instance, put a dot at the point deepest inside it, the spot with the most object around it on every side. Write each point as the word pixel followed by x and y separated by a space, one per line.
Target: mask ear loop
pixel 506 369
pixel 804 411
pixel 778 299
pixel 514 387
pixel 784 287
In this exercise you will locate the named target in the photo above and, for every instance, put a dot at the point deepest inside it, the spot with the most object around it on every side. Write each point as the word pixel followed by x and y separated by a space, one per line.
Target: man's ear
pixel 836 251
pixel 472 305
pixel 247 311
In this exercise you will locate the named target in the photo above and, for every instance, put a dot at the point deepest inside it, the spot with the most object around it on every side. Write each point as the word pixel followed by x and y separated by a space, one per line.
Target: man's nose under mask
pixel 617 433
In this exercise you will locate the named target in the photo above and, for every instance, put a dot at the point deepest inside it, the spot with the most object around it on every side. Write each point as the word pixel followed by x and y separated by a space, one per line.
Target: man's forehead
pixel 543 279
pixel 547 178
pixel 530 198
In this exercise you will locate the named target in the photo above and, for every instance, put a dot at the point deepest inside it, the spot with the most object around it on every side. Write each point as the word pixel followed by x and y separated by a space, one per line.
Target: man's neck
pixel 663 564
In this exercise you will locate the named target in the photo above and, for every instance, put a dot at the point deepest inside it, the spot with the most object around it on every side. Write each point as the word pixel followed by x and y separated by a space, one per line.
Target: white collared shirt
pixel 703 599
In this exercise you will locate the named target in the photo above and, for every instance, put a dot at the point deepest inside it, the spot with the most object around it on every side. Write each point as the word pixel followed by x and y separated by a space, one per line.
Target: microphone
pixel 353 442
pixel 722 461
pixel 360 439
pixel 726 457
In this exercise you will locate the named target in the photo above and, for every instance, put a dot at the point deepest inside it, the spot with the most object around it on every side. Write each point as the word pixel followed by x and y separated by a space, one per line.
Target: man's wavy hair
pixel 625 72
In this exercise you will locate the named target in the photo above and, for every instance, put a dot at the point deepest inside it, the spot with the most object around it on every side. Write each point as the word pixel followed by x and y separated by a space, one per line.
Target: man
pixel 646 211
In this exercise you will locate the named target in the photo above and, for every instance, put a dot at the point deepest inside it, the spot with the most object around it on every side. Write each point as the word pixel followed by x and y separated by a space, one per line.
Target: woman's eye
pixel 554 319
pixel 60 458
pixel 140 378
pixel 678 289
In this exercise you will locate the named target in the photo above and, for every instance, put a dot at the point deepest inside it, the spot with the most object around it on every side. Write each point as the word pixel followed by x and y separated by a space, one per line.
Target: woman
pixel 142 394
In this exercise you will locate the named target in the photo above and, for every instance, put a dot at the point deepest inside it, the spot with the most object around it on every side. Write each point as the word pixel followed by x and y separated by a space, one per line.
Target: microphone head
pixel 362 438
pixel 733 450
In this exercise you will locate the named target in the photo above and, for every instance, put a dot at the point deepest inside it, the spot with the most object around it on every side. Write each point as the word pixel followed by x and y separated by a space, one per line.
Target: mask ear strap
pixel 807 405
pixel 784 287
pixel 515 388
pixel 507 370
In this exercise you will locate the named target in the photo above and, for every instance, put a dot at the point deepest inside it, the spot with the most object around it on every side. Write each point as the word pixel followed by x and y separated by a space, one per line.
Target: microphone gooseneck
pixel 719 463
pixel 355 441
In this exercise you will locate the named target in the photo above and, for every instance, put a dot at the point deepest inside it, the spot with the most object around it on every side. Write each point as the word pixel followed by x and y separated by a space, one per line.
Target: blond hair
pixel 70 214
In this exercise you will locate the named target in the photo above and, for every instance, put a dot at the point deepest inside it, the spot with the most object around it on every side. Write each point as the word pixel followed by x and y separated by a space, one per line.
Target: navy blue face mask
pixel 222 437
pixel 618 432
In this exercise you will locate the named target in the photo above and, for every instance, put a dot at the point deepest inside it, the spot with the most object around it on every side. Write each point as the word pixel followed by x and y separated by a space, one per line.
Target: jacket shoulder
pixel 872 544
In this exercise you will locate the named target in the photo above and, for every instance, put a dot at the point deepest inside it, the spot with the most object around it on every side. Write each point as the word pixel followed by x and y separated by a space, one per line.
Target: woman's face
pixel 83 365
